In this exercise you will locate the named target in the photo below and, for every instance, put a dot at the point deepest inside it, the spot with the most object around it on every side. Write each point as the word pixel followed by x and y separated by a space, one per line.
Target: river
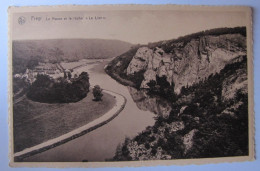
pixel 101 143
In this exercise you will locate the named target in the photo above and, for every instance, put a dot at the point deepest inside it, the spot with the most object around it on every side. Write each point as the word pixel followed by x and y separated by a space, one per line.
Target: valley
pixel 185 98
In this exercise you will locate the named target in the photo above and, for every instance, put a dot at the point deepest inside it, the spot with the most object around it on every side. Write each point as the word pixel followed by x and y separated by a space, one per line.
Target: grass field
pixel 35 122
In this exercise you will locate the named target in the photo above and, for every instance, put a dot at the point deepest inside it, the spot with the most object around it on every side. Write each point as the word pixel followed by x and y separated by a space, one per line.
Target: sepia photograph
pixel 106 85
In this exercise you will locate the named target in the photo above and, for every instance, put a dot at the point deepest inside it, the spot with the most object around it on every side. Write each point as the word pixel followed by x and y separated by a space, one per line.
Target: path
pixel 19 99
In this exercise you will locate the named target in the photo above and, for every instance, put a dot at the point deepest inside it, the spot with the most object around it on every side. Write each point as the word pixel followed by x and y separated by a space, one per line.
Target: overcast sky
pixel 130 26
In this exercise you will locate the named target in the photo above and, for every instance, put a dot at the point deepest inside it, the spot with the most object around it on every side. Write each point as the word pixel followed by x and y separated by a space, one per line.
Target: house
pixel 47 68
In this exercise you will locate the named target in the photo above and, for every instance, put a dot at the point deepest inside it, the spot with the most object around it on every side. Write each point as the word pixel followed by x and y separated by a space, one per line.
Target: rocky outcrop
pixel 188 140
pixel 139 61
pixel 187 63
pixel 139 152
pixel 234 83
pixel 144 151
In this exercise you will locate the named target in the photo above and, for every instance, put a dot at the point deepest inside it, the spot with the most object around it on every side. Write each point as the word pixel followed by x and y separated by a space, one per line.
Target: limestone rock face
pixel 149 75
pixel 188 140
pixel 175 126
pixel 188 63
pixel 139 61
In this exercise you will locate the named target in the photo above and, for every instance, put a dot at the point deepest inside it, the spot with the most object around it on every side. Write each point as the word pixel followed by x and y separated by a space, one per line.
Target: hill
pixel 57 50
pixel 69 49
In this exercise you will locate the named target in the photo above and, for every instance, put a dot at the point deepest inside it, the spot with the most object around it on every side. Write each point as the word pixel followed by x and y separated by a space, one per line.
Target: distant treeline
pixel 58 50
pixel 20 65
pixel 47 90
pixel 165 45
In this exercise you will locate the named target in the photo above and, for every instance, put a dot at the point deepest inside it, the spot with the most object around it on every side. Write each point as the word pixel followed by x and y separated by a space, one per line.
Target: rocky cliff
pixel 190 63
pixel 208 119
pixel 183 61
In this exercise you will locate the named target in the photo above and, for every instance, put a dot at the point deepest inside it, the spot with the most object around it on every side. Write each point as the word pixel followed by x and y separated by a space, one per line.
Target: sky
pixel 134 26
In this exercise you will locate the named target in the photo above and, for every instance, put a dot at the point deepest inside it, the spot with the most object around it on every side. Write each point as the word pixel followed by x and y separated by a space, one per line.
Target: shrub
pixel 97 93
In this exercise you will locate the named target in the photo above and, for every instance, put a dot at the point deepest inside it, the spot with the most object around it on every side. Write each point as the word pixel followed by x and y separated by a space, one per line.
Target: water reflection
pixel 147 102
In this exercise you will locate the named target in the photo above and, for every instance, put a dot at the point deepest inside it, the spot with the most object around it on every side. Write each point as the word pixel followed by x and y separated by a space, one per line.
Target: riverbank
pixel 100 144
pixel 36 122
pixel 108 116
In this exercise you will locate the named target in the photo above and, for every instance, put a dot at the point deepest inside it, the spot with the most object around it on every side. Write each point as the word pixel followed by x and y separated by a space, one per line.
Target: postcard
pixel 130 85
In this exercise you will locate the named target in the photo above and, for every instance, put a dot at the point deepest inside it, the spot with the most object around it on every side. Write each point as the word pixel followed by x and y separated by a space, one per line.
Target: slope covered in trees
pixel 208 119
pixel 58 50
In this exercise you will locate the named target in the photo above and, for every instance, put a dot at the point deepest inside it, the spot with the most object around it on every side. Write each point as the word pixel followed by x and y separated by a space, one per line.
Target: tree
pixel 32 63
pixel 65 75
pixel 97 93
pixel 57 54
pixel 152 84
pixel 164 84
pixel 69 75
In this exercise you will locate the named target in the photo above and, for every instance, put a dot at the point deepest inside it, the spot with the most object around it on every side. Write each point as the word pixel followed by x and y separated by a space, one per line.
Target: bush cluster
pixel 48 90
